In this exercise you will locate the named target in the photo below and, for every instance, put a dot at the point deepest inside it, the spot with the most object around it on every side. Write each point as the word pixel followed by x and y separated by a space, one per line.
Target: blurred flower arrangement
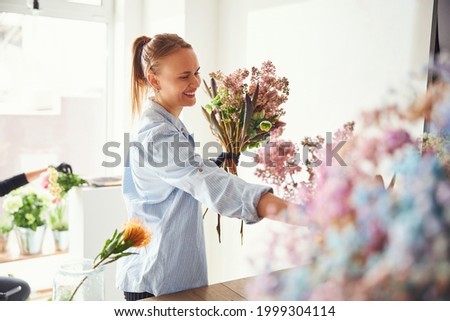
pixel 27 208
pixel 59 183
pixel 245 108
pixel 134 234
pixel 5 227
pixel 372 242
pixel 280 161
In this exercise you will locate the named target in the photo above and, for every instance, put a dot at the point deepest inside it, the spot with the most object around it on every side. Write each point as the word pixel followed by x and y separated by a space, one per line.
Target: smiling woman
pixel 168 198
pixel 174 88
pixel 170 84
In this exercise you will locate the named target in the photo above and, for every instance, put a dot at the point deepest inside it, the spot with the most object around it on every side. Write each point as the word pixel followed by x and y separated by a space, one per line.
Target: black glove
pixel 65 168
pixel 219 160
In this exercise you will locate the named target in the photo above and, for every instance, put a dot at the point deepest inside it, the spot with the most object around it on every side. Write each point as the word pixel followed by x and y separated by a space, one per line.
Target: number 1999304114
pixel 295 310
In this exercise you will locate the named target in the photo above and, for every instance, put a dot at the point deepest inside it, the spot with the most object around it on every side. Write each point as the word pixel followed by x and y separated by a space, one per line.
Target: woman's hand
pixel 271 206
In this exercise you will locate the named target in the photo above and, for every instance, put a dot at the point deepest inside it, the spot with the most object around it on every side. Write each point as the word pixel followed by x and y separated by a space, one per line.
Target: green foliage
pixel 114 248
pixel 67 181
pixel 5 227
pixel 58 226
pixel 57 219
pixel 31 212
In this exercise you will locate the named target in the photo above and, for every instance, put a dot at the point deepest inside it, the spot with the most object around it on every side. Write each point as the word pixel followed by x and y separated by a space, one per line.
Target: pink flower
pixel 44 180
pixel 327 291
pixel 396 139
pixel 369 149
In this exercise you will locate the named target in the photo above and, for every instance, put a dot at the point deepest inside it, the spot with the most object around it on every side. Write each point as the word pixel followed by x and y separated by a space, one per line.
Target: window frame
pixel 64 9
pixel 104 13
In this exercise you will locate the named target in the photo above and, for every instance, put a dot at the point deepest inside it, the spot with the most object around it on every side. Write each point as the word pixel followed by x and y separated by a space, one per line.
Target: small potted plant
pixel 59 226
pixel 5 228
pixel 59 183
pixel 28 210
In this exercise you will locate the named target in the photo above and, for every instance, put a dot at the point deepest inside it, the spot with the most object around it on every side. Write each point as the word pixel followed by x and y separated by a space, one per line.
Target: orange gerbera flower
pixel 136 233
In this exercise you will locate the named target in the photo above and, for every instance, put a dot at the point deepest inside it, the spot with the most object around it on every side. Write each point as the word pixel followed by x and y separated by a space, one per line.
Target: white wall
pixel 340 56
pixel 94 215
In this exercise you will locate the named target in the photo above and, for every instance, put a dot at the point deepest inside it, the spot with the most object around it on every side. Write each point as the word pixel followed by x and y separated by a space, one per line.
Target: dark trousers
pixel 132 296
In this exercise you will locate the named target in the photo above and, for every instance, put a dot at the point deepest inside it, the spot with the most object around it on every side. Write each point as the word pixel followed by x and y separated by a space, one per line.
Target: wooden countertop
pixel 234 290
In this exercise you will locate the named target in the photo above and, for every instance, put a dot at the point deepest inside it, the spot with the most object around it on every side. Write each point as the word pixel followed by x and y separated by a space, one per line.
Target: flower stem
pixel 76 289
pixel 84 279
pixel 293 181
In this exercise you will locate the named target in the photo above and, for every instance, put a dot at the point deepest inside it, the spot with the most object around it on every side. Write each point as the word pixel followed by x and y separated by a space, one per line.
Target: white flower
pixel 12 203
pixel 30 218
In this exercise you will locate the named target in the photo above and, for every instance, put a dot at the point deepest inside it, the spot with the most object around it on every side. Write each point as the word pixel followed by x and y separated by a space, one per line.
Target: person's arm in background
pixel 14 182
pixel 17 181
pixel 33 175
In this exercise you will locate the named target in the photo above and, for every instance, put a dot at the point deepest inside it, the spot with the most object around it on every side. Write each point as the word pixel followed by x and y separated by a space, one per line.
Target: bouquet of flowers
pixel 242 112
pixel 369 241
pixel 245 108
pixel 59 183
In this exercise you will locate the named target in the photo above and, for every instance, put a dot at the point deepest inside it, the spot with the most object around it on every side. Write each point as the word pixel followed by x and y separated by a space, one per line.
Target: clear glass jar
pixel 78 281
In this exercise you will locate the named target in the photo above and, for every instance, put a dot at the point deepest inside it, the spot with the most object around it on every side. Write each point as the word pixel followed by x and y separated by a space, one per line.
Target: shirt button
pixel 200 169
pixel 182 129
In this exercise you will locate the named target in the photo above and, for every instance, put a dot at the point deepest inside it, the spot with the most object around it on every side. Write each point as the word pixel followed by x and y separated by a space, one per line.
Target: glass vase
pixel 78 281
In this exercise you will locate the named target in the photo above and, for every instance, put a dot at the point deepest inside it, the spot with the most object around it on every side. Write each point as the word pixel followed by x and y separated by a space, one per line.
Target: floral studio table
pixel 234 290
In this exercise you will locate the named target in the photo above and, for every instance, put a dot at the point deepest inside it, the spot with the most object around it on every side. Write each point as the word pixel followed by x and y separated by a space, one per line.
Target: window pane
pixel 52 93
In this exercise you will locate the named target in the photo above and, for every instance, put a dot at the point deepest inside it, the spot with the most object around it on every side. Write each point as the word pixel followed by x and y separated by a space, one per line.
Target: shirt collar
pixel 164 113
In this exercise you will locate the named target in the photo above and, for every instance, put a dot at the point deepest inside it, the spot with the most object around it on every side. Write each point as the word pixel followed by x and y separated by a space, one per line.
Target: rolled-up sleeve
pixel 171 156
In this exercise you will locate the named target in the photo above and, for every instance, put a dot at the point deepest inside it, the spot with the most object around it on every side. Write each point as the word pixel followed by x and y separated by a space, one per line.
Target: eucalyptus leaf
pixel 206 114
pixel 214 87
pixel 247 116
pixel 255 95
pixel 207 89
pixel 217 128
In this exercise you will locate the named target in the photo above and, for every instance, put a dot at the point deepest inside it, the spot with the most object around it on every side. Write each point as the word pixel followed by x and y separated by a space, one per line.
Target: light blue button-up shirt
pixel 164 184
